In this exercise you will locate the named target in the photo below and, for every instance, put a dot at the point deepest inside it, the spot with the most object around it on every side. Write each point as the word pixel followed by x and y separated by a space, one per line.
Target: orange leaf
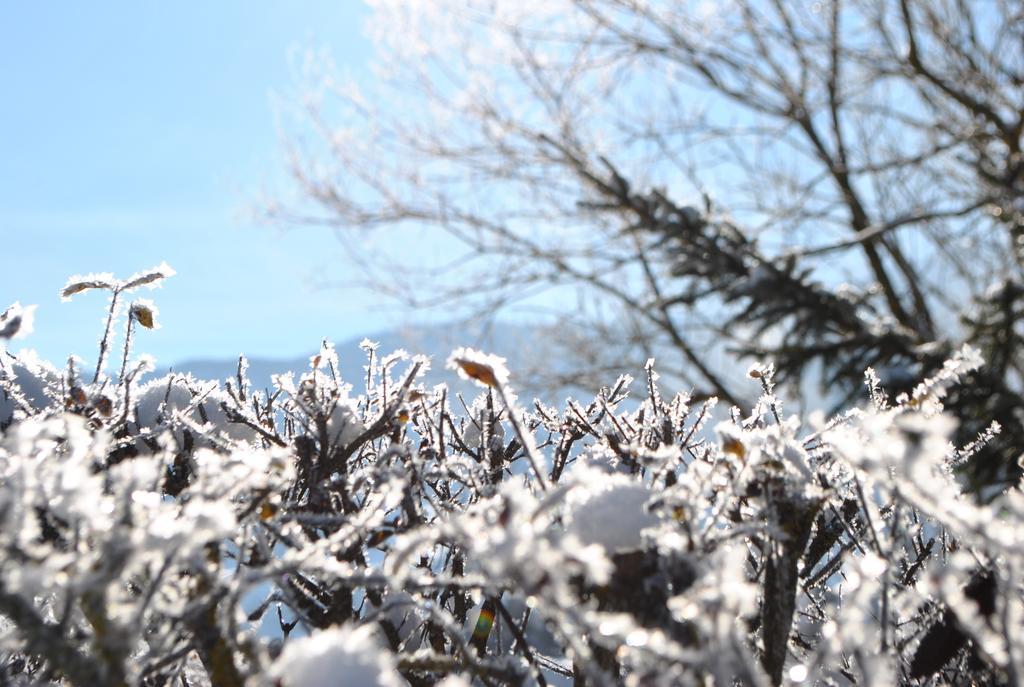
pixel 77 394
pixel 267 511
pixel 103 405
pixel 478 371
pixel 735 447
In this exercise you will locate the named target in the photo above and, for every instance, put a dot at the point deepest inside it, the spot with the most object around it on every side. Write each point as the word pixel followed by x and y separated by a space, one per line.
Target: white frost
pixel 611 513
pixel 339 655
pixel 31 377
pixel 161 398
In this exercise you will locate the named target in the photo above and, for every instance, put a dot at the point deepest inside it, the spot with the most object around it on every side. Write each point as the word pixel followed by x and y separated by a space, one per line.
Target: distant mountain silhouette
pixel 512 341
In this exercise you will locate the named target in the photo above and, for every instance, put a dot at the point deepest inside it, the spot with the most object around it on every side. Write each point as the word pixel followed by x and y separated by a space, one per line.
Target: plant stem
pixel 105 341
pixel 127 346
pixel 525 437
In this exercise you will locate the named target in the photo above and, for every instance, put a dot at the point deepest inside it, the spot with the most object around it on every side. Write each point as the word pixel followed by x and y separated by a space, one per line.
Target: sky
pixel 138 132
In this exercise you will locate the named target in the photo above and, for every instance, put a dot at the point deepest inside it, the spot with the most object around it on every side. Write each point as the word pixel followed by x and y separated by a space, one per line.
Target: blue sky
pixel 136 132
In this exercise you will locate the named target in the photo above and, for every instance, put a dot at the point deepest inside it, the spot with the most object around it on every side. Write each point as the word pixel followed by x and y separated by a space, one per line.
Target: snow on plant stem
pixel 490 371
pixel 183 528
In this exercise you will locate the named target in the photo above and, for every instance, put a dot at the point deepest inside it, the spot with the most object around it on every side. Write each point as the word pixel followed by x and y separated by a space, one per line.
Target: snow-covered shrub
pixel 179 531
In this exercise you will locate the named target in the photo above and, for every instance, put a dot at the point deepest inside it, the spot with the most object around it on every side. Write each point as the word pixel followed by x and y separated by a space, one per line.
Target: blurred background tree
pixel 826 185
